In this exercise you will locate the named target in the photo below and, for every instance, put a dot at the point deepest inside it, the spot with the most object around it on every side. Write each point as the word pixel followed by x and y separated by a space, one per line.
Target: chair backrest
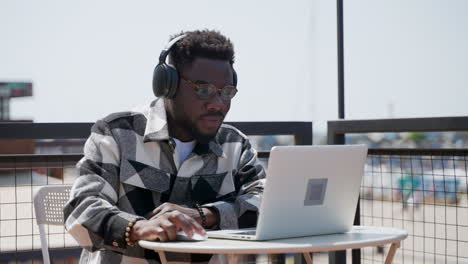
pixel 48 204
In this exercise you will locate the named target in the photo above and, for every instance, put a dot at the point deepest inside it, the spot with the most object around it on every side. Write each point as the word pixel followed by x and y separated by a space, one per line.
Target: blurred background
pixel 77 61
pixel 90 58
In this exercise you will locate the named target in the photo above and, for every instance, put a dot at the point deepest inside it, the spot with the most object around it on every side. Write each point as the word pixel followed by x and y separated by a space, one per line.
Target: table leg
pixel 391 252
pixel 162 257
pixel 308 257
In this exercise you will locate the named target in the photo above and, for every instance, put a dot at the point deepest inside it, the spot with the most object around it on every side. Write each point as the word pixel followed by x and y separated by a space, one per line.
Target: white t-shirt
pixel 183 149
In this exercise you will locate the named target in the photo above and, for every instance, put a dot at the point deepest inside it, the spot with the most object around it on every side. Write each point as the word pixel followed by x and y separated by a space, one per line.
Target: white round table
pixel 358 237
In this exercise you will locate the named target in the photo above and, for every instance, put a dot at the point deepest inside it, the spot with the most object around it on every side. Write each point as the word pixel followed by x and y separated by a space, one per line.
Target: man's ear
pixel 170 104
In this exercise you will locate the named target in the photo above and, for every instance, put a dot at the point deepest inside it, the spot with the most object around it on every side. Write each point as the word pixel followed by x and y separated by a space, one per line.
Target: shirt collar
pixel 156 122
pixel 157 130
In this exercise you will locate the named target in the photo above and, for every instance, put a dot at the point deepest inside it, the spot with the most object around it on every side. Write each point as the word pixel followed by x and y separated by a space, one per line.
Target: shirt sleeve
pixel 241 209
pixel 91 214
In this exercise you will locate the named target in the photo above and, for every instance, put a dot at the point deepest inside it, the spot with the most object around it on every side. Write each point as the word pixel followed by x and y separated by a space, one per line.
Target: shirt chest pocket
pixel 211 187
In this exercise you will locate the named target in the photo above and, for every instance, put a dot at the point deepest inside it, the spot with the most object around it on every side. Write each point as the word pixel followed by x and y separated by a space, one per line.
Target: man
pixel 171 167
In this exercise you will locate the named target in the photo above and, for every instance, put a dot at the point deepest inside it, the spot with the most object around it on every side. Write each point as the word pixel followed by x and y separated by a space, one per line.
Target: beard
pixel 201 137
pixel 192 125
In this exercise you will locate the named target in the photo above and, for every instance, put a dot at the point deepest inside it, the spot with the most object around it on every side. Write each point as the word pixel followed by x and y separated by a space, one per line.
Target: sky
pixel 90 58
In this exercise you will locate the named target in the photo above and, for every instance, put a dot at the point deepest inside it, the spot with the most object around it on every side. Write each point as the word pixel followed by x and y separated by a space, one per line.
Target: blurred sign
pixel 15 89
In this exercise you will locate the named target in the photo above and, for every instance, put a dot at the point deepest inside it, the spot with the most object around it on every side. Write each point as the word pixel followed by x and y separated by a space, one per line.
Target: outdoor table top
pixel 357 237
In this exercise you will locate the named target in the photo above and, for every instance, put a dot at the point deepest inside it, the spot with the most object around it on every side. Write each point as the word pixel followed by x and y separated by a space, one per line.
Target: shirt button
pixel 115 244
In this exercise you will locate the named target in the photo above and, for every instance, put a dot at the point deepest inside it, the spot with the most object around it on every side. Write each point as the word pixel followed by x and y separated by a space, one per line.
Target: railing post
pixel 335 138
pixel 305 135
pixel 336 257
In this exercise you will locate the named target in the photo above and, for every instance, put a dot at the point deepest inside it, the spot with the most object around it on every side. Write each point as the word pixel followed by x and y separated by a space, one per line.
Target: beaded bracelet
pixel 202 215
pixel 127 233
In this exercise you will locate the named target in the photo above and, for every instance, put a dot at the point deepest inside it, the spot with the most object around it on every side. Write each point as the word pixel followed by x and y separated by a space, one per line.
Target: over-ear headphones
pixel 166 77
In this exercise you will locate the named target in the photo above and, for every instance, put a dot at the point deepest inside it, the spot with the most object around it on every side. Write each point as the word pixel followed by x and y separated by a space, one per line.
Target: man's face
pixel 191 116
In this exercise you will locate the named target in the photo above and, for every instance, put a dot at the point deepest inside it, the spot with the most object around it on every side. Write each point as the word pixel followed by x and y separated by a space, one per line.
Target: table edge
pixel 168 246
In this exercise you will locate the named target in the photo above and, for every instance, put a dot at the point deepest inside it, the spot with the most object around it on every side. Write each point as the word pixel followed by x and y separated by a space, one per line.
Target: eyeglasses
pixel 207 90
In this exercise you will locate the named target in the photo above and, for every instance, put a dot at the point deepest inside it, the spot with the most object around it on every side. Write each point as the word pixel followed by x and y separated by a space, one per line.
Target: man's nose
pixel 216 103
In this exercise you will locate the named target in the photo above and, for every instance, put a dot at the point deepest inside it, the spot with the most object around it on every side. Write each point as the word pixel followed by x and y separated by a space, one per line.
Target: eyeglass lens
pixel 206 91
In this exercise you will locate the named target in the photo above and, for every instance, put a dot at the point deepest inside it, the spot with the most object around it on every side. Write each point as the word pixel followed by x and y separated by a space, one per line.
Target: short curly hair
pixel 200 43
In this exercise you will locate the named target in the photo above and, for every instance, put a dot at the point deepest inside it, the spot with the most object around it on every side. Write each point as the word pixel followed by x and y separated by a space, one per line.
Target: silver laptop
pixel 310 190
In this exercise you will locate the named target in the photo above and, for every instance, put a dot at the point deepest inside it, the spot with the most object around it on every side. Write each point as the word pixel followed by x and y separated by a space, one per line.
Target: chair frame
pixel 48 206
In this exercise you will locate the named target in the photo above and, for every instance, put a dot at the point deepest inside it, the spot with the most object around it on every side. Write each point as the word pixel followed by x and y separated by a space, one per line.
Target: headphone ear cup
pixel 172 81
pixel 159 80
pixel 165 80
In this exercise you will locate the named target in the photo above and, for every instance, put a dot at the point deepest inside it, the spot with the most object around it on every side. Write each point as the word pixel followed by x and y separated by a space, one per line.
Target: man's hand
pixel 170 207
pixel 165 226
pixel 211 215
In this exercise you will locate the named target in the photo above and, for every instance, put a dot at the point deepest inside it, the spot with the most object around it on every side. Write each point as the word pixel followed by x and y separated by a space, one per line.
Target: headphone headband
pixel 167 49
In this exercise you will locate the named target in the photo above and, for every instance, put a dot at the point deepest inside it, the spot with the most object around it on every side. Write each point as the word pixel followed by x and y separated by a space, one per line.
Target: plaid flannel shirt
pixel 130 167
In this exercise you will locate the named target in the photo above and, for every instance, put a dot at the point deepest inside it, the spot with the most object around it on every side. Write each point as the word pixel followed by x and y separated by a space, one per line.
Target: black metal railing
pixel 22 175
pixel 302 131
pixel 337 129
pixel 423 191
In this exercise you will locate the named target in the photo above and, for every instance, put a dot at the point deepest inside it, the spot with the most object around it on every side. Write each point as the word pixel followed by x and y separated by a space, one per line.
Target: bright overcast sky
pixel 404 58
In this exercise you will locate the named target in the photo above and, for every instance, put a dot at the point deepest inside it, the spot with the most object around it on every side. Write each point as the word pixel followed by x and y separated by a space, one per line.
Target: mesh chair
pixel 48 205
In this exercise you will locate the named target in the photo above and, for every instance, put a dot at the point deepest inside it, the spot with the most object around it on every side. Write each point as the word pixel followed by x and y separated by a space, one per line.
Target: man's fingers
pixel 198 228
pixel 194 225
pixel 158 214
pixel 168 223
pixel 162 209
pixel 186 223
pixel 156 211
pixel 161 234
pixel 170 228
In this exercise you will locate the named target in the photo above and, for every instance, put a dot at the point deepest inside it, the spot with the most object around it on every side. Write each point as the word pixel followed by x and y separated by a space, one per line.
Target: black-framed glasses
pixel 206 91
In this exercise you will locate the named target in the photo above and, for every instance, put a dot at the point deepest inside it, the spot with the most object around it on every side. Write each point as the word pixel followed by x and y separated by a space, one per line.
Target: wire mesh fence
pixel 423 192
pixel 20 178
